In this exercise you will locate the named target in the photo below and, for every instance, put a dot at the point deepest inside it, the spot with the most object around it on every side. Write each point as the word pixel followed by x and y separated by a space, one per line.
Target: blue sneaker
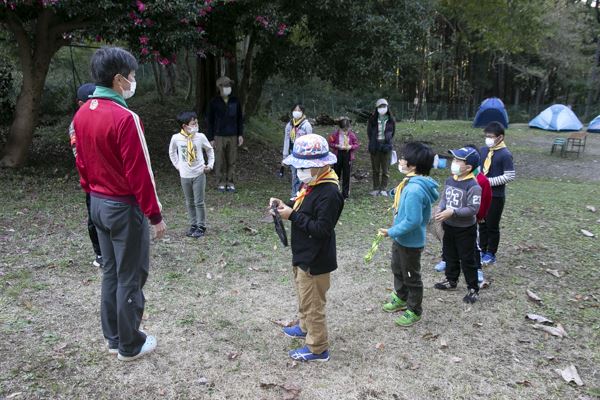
pixel 304 354
pixel 480 276
pixel 294 332
pixel 488 259
pixel 441 266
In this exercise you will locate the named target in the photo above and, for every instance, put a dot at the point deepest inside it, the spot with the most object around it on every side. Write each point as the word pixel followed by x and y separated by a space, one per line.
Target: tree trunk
pixel 188 70
pixel 248 74
pixel 34 56
pixel 171 80
pixel 159 87
pixel 206 76
pixel 591 89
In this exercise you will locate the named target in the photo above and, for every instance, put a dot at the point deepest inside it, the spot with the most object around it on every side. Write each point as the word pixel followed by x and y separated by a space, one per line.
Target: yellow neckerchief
pixel 399 189
pixel 295 124
pixel 488 160
pixel 346 138
pixel 326 177
pixel 191 151
pixel 464 178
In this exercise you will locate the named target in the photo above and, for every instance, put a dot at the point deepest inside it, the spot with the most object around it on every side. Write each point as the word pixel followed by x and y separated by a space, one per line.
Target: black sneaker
pixel 190 232
pixel 445 285
pixel 98 262
pixel 199 232
pixel 471 297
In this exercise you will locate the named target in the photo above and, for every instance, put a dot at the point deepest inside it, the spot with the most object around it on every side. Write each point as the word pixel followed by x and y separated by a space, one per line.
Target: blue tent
pixel 491 110
pixel 594 126
pixel 556 118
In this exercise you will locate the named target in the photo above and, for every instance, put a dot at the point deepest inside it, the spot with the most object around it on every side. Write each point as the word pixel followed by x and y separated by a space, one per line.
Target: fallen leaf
pixel 250 231
pixel 430 336
pixel 232 356
pixel 293 364
pixel 570 374
pixel 443 343
pixel 209 276
pixel 414 366
pixel 60 347
pixel 253 285
pixel 456 359
pixel 553 272
pixel 587 233
pixel 292 391
pixel 524 383
pixel 188 270
pixel 539 318
pixel 533 297
pixel 478 325
pixel 14 395
pixel 145 317
pixel 555 331
pixel 162 392
pixel 202 380
pixel 591 208
pixel 521 340
pixel 285 323
pixel 379 346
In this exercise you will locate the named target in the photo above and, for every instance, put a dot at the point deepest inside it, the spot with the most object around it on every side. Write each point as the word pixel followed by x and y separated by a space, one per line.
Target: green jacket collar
pixel 108 93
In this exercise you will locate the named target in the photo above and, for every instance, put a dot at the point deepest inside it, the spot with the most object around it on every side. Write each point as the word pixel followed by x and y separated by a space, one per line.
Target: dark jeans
pixel 406 267
pixel 489 230
pixel 92 228
pixel 380 163
pixel 343 169
pixel 125 242
pixel 459 247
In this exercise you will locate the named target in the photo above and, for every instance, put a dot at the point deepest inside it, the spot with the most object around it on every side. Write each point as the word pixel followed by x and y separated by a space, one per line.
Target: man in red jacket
pixel 114 168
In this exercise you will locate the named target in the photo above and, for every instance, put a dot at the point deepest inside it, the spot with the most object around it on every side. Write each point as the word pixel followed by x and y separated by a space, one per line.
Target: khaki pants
pixel 225 158
pixel 311 308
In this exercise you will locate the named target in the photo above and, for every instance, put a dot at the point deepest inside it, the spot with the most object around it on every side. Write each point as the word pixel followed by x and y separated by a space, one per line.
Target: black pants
pixel 489 230
pixel 459 247
pixel 380 163
pixel 125 242
pixel 92 228
pixel 406 267
pixel 343 169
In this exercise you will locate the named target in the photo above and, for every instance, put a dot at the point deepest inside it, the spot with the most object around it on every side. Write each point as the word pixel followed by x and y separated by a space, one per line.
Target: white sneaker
pixel 147 348
pixel 111 350
pixel 383 193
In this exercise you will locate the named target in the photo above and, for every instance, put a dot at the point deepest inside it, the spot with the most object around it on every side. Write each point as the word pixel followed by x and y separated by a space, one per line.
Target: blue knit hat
pixel 85 91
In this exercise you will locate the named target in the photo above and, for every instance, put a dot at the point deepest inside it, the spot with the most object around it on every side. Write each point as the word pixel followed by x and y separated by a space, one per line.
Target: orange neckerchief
pixel 326 177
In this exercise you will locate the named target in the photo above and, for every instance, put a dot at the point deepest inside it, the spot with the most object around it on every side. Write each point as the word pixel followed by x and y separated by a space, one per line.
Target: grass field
pixel 211 302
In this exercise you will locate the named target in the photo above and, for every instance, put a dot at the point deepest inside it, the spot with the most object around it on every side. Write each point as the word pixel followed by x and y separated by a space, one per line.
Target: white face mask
pixel 192 129
pixel 382 110
pixel 297 114
pixel 127 94
pixel 226 91
pixel 305 176
pixel 489 142
pixel 455 169
pixel 402 168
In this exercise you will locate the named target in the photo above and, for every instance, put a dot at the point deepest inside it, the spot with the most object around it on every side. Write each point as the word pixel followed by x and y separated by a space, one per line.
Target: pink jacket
pixel 334 139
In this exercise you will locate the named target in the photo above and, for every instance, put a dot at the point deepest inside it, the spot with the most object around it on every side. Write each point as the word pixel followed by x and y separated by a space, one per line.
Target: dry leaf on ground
pixel 430 336
pixel 233 355
pixel 570 374
pixel 292 391
pixel 443 343
pixel 538 318
pixel 456 359
pixel 285 323
pixel 250 231
pixel 379 346
pixel 533 297
pixel 587 233
pixel 524 382
pixel 555 331
pixel 553 272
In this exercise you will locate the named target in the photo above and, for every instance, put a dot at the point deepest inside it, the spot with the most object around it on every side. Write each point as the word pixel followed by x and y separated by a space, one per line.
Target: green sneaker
pixel 407 319
pixel 395 304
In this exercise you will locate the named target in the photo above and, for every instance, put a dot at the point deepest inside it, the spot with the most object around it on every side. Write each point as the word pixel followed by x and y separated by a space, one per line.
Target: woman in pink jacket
pixel 343 143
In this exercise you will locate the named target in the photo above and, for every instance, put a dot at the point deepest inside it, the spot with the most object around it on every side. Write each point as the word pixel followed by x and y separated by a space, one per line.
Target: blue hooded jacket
pixel 414 212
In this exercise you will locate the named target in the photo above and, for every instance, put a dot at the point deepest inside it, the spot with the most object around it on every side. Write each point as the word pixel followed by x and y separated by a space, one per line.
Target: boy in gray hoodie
pixel 457 210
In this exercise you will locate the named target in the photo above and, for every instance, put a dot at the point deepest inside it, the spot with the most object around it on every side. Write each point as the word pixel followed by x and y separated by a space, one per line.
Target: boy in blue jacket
pixel 412 207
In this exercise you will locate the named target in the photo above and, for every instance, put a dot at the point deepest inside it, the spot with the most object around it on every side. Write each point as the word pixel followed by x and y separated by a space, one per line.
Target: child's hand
pixel 207 169
pixel 284 210
pixel 444 215
pixel 383 232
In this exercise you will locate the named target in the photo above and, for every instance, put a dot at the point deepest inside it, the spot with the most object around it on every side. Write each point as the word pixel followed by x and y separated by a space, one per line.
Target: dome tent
pixel 491 110
pixel 594 126
pixel 557 117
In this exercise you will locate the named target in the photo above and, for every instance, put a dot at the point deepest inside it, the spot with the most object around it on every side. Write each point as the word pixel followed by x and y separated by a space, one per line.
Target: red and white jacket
pixel 112 156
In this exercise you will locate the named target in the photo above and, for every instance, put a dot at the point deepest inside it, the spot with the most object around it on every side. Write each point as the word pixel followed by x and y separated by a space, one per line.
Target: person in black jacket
pixel 314 215
pixel 380 130
pixel 225 124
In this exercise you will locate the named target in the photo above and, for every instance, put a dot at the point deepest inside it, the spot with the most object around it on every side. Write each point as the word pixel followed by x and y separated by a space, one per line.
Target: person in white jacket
pixel 186 153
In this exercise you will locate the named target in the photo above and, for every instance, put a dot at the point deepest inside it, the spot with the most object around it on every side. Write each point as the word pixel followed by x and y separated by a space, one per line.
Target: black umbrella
pixel 279 228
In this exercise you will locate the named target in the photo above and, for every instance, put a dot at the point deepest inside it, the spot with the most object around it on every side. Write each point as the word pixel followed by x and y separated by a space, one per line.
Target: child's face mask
pixel 304 175
pixel 490 142
pixel 455 169
pixel 297 114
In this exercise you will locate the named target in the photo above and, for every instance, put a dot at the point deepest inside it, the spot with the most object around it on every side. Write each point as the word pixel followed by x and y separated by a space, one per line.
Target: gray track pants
pixel 125 243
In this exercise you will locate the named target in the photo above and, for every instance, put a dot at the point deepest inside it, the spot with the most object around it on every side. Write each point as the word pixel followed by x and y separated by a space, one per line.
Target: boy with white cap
pixel 314 215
